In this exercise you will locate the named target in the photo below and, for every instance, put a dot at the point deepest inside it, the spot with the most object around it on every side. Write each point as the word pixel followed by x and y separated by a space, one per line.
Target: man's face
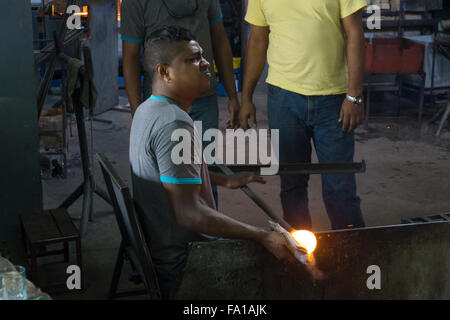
pixel 189 71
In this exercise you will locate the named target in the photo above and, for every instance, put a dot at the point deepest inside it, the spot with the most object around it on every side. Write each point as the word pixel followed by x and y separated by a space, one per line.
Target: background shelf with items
pixel 53 118
pixel 415 21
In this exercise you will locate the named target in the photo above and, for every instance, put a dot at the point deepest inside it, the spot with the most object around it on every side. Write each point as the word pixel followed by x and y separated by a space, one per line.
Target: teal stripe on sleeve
pixel 174 180
pixel 152 97
pixel 216 20
pixel 131 39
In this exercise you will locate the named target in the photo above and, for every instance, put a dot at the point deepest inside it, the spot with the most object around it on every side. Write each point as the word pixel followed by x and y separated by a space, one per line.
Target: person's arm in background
pixel 132 30
pixel 255 61
pixel 131 66
pixel 352 115
pixel 193 215
pixel 224 62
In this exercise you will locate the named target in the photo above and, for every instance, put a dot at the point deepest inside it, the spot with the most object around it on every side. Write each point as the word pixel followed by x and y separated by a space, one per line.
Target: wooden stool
pixel 48 227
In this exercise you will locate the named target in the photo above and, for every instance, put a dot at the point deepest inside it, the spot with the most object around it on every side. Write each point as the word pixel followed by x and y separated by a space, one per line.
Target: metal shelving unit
pixel 395 22
pixel 46 64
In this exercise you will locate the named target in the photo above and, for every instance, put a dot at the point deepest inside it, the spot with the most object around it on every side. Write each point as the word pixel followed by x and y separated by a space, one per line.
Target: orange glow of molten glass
pixel 305 239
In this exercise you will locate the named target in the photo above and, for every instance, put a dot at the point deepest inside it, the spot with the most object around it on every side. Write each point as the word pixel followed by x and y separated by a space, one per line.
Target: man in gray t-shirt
pixel 151 160
pixel 139 18
pixel 173 198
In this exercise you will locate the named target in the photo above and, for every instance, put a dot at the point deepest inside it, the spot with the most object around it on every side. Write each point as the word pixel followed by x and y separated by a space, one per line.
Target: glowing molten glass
pixel 305 239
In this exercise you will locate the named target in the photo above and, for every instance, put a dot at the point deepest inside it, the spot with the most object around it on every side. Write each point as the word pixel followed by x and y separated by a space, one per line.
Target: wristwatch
pixel 355 100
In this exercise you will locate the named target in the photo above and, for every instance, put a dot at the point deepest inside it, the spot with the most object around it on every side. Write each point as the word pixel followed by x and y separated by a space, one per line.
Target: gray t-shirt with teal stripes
pixel 151 158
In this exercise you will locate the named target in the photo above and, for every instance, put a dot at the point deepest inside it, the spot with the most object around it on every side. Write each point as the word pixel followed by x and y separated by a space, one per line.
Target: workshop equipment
pixel 88 187
pixel 303 241
pixel 442 44
pixel 51 129
pixel 395 55
pixel 411 262
pixel 445 216
pixel 392 70
pixel 293 168
pixel 46 61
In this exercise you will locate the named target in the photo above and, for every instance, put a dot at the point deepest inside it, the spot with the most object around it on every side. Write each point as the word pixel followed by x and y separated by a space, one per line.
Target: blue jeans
pixel 206 109
pixel 301 119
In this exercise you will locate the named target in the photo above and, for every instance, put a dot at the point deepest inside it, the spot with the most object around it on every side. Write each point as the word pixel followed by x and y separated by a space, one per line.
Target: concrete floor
pixel 407 176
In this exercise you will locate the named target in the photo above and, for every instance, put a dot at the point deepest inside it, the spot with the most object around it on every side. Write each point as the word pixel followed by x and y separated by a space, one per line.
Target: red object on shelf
pixel 394 56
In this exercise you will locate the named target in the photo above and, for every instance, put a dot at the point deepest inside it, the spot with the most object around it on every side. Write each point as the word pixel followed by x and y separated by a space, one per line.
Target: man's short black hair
pixel 163 45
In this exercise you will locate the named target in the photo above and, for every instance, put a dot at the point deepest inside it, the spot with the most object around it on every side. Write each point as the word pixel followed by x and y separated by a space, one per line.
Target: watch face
pixel 355 100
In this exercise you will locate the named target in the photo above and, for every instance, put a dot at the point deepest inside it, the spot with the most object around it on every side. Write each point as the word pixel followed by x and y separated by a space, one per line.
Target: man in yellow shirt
pixel 315 52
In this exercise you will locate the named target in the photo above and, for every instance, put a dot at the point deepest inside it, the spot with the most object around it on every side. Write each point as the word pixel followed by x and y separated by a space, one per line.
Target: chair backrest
pixel 129 225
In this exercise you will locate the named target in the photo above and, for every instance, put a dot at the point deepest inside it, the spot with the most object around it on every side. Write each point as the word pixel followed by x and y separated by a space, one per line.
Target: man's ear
pixel 162 71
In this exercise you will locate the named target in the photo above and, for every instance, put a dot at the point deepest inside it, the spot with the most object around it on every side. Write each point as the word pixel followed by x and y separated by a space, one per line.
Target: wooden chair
pixel 133 246
pixel 47 227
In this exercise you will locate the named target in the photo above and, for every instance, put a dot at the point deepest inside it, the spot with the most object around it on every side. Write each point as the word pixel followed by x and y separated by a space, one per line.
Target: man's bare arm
pixel 234 181
pixel 255 60
pixel 355 52
pixel 193 215
pixel 131 63
pixel 224 61
pixel 351 115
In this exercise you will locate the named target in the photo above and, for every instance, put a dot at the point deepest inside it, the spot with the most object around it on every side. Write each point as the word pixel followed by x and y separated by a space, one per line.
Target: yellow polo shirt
pixel 306 51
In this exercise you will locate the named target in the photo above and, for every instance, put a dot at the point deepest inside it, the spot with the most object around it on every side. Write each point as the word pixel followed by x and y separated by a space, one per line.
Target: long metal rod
pixel 259 202
pixel 300 168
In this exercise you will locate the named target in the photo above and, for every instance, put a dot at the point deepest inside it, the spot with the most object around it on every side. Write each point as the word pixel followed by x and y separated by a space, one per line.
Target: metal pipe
pixel 300 168
pixel 259 202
